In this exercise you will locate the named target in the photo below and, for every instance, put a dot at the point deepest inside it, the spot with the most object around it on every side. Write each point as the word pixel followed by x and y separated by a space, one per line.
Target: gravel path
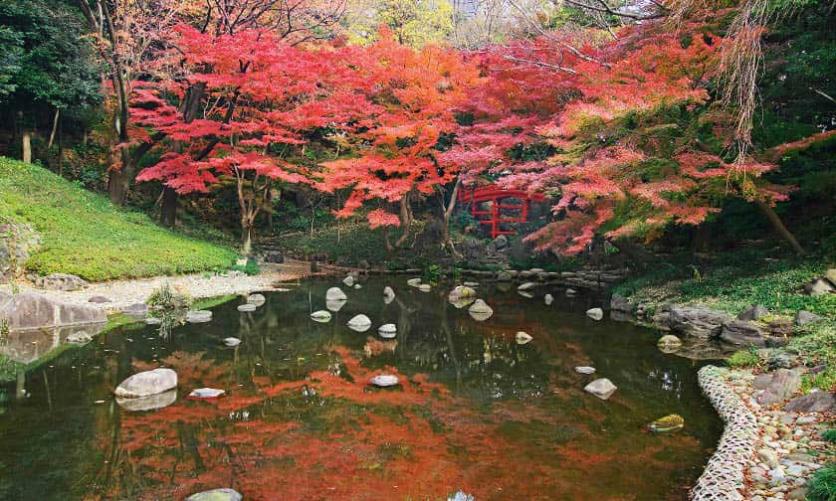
pixel 123 293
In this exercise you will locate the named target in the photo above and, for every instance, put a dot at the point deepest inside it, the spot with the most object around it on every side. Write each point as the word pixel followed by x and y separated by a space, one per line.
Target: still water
pixel 475 411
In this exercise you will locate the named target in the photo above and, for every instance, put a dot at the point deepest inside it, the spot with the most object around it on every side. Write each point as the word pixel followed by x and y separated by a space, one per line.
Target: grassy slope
pixel 83 234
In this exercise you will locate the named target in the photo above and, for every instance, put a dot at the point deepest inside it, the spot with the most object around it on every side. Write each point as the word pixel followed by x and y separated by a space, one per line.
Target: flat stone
pixel 232 342
pixel 754 312
pixel 523 338
pixel 697 321
pixel 335 294
pixel 601 388
pixel 743 333
pixel 149 403
pixel 526 286
pixel 805 317
pixel 384 380
pixel 413 282
pixel 99 300
pixel 548 299
pixel 223 494
pixel 359 323
pixel 29 310
pixel 425 287
pixel 147 383
pixel 585 369
pixel 246 307
pixel 206 393
pixel 387 331
pixel 321 316
pixel 480 310
pixel 256 299
pixel 817 401
pixel 334 305
pixel 595 313
pixel 198 316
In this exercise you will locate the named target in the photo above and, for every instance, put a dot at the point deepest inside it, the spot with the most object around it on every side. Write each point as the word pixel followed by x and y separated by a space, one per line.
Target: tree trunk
pixel 27 146
pixel 168 209
pixel 406 219
pixel 447 241
pixel 778 225
pixel 247 231
pixel 54 128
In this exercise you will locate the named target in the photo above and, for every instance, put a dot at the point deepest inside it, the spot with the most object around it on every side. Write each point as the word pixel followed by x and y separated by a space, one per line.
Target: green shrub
pixel 744 358
pixel 830 436
pixel 251 268
pixel 822 486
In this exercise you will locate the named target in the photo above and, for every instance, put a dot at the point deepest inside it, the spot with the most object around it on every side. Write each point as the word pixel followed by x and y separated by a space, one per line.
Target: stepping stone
pixel 413 282
pixel 199 316
pixel 232 341
pixel 321 316
pixel 335 294
pixel 360 323
pixel 595 313
pixel 246 307
pixel 256 299
pixel 548 299
pixel 223 494
pixel 147 383
pixel 206 393
pixel 601 388
pixel 585 369
pixel 387 331
pixel 384 380
pixel 523 338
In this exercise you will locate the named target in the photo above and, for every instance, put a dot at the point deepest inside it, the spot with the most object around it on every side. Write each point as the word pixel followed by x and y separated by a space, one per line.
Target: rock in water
pixel 595 313
pixel 669 343
pixel 321 316
pixel 523 338
pixel 388 292
pixel 525 294
pixel 413 282
pixel 256 299
pixel 206 393
pixel 334 305
pixel 471 284
pixel 335 294
pixel 571 292
pixel 601 388
pixel 232 342
pixel 149 403
pixel 671 422
pixel 360 323
pixel 425 287
pixel 384 380
pixel 480 310
pixel 461 292
pixel 526 286
pixel 387 331
pixel 548 299
pixel 147 383
pixel 199 316
pixel 246 307
pixel 224 494
pixel 585 369
pixel 348 281
pixel 358 286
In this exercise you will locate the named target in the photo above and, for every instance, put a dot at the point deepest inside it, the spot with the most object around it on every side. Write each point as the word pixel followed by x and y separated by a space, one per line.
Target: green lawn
pixel 84 234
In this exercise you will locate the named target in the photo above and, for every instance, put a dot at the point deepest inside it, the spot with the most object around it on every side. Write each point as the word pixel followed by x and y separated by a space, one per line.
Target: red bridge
pixel 494 216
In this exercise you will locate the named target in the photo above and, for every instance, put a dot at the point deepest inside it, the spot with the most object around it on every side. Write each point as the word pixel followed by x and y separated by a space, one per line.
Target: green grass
pixel 84 234
pixel 822 486
pixel 743 358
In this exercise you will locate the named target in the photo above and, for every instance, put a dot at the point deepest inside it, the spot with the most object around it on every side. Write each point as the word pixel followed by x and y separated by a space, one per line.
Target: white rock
pixel 571 292
pixel 388 292
pixel 480 310
pixel 769 457
pixel 523 337
pixel 334 305
pixel 425 287
pixel 149 403
pixel 153 321
pixel 232 341
pixel 387 331
pixel 595 313
pixel 147 383
pixel 256 299
pixel 413 282
pixel 348 281
pixel 206 393
pixel 585 369
pixel 358 286
pixel 335 294
pixel 224 494
pixel 548 299
pixel 601 388
pixel 246 307
pixel 384 380
pixel 461 292
pixel 321 316
pixel 526 294
pixel 526 286
pixel 360 323
pixel 471 284
pixel 199 316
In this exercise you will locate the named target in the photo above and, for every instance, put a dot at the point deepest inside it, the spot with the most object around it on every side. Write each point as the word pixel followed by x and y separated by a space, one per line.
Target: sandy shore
pixel 123 293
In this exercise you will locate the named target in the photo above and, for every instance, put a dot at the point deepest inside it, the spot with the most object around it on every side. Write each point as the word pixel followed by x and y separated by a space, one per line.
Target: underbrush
pixel 82 233
pixel 822 486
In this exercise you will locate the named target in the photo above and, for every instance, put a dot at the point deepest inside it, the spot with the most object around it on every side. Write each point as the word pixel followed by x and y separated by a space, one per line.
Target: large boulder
pixel 817 401
pixel 17 242
pixel 621 304
pixel 819 287
pixel 335 294
pixel 29 310
pixel 776 386
pixel 805 317
pixel 224 494
pixel 147 383
pixel 697 321
pixel 60 282
pixel 754 312
pixel 743 333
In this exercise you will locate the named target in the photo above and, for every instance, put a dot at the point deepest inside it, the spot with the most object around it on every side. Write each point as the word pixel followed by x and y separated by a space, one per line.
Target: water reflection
pixel 474 411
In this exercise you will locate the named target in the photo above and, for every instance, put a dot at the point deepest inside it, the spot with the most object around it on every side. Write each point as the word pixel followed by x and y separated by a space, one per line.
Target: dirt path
pixel 122 293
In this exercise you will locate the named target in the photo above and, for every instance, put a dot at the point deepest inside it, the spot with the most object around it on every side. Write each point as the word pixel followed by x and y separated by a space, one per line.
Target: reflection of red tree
pixel 354 442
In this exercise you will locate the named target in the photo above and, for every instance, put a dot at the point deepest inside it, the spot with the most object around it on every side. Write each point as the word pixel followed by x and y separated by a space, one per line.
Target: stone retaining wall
pixel 724 475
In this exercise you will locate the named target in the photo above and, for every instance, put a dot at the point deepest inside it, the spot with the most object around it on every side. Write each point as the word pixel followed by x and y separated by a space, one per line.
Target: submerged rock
pixel 246 307
pixel 232 342
pixel 256 299
pixel 671 422
pixel 526 286
pixel 149 403
pixel 384 380
pixel 595 313
pixel 223 494
pixel 601 388
pixel 348 281
pixel 669 343
pixel 548 299
pixel 206 393
pixel 425 287
pixel 359 323
pixel 387 331
pixel 334 305
pixel 335 294
pixel 199 316
pixel 585 369
pixel 321 316
pixel 480 310
pixel 523 337
pixel 413 282
pixel 147 383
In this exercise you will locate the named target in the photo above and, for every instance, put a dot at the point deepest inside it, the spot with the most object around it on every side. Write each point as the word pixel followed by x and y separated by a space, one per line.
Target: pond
pixel 475 412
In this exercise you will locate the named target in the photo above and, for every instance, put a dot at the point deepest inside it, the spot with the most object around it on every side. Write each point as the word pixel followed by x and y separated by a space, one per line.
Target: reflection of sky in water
pixel 475 411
